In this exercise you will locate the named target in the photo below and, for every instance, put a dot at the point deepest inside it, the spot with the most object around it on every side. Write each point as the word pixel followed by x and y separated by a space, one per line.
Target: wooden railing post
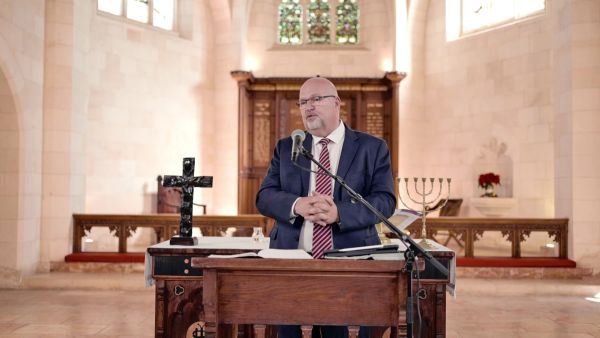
pixel 469 243
pixel 122 235
pixel 77 234
pixel 562 241
pixel 259 330
pixel 516 242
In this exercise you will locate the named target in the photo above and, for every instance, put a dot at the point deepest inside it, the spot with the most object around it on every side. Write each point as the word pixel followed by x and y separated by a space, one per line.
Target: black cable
pixel 417 293
pixel 313 171
pixel 306 169
pixel 320 173
pixel 418 296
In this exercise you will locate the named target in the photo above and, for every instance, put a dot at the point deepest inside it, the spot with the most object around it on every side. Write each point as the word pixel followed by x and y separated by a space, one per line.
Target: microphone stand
pixel 412 248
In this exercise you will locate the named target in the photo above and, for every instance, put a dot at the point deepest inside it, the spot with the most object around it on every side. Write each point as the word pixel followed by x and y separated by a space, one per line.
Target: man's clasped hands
pixel 317 208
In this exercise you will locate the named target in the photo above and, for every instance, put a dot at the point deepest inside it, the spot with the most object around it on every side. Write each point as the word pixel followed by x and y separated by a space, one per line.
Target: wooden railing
pixel 516 230
pixel 465 231
pixel 164 225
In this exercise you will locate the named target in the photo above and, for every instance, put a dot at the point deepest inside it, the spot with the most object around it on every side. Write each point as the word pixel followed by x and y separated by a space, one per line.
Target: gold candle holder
pixel 426 201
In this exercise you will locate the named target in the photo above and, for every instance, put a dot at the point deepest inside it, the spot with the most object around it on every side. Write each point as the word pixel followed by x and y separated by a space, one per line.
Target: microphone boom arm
pixel 412 248
pixel 410 243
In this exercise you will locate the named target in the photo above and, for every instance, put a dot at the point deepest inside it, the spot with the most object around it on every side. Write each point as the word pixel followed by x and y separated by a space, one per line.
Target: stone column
pixel 21 80
pixel 577 125
pixel 65 105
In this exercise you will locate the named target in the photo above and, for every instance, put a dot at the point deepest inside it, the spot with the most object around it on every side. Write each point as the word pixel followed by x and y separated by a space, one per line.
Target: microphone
pixel 298 137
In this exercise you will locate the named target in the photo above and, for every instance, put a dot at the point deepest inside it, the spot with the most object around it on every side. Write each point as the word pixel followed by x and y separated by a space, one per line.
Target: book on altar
pixel 270 253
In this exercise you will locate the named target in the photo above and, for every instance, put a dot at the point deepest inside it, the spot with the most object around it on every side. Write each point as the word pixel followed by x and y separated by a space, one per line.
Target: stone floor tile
pixel 515 308
pixel 9 327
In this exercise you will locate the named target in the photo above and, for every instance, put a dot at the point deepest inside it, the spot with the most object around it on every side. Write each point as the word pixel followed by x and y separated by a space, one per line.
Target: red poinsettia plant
pixel 487 182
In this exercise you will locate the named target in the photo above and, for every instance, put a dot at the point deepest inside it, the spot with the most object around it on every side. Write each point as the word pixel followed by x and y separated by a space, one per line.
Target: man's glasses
pixel 315 100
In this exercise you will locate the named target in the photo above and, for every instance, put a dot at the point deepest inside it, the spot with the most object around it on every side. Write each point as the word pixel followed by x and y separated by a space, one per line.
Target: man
pixel 313 213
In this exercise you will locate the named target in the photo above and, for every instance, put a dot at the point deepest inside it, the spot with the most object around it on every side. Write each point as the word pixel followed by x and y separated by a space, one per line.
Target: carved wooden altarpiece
pixel 268 112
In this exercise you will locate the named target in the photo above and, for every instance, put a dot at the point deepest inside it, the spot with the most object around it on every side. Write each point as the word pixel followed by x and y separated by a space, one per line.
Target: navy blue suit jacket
pixel 364 165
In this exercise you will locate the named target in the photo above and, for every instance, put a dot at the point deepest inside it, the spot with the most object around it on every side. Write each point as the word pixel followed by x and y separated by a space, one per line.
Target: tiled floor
pixel 86 313
pixel 519 308
pixel 522 316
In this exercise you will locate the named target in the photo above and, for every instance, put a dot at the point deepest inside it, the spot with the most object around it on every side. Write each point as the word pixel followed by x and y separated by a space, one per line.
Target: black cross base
pixel 187 241
pixel 187 182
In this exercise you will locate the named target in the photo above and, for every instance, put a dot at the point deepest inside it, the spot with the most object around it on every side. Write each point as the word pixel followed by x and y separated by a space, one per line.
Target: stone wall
pixel 21 81
pixel 148 91
pixel 488 106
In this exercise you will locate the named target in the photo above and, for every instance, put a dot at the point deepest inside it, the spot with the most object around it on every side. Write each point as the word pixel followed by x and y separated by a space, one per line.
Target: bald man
pixel 311 211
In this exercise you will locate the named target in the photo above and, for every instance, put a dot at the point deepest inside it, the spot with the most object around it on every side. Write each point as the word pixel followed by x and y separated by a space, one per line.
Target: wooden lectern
pixel 192 288
pixel 302 292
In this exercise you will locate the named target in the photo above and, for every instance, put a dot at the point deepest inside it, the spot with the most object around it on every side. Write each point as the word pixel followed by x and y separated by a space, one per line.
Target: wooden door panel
pixel 268 112
pixel 289 114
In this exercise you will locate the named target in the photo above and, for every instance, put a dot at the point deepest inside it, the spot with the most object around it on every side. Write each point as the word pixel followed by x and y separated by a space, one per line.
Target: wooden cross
pixel 187 182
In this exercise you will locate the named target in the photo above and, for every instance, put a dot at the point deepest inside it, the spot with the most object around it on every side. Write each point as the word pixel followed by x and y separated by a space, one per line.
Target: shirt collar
pixel 336 136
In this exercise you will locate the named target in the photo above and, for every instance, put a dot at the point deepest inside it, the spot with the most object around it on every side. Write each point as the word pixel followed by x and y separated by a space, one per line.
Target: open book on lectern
pixel 270 253
pixel 401 219
pixel 365 252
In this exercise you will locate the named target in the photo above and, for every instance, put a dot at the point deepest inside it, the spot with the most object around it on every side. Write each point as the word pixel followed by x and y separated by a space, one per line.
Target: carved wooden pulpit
pixel 191 289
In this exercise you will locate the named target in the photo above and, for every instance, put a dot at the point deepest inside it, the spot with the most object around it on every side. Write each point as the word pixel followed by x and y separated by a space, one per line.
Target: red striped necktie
pixel 322 238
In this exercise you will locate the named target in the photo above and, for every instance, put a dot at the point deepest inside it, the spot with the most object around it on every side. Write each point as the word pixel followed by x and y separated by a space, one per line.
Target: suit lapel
pixel 349 151
pixel 305 163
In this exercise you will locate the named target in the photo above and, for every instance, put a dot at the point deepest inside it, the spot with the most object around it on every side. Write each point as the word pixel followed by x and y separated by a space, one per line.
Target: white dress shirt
pixel 335 150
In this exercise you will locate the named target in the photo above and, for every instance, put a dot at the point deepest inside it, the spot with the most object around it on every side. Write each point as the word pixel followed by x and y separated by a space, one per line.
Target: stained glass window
pixel 318 21
pixel 312 22
pixel 346 28
pixel 290 22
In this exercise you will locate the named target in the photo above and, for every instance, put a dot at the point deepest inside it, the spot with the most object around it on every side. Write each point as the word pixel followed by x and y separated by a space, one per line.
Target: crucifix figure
pixel 187 182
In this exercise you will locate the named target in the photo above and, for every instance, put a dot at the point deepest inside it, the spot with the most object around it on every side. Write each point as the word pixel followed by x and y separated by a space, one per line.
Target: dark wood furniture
pixel 302 292
pixel 165 225
pixel 268 112
pixel 467 230
pixel 515 230
pixel 180 278
pixel 450 208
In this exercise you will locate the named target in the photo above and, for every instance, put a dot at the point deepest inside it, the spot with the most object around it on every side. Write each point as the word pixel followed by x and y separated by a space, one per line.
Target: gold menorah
pixel 427 204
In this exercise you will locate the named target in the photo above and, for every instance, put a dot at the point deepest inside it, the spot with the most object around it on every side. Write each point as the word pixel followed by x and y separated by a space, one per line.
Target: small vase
pixel 489 192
